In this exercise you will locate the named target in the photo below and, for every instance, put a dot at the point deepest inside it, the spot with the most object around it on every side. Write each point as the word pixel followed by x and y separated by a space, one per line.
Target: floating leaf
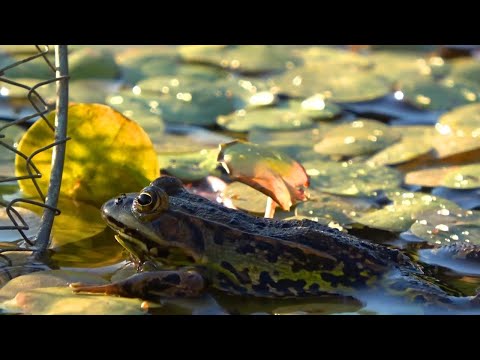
pixel 36 68
pixel 448 145
pixel 270 172
pixel 466 69
pixel 330 209
pixel 353 179
pixel 98 162
pixel 30 218
pixel 316 107
pixel 189 166
pixel 246 198
pixel 467 199
pixel 447 227
pixel 402 213
pixel 334 81
pixel 46 279
pixel 416 141
pixel 61 301
pixel 427 94
pixel 265 119
pixel 92 63
pixel 461 121
pixel 242 58
pixel 359 137
pixel 325 55
pixel 457 177
pixel 46 91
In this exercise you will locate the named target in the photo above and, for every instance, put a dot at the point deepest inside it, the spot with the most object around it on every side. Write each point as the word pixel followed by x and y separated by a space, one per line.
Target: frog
pixel 185 244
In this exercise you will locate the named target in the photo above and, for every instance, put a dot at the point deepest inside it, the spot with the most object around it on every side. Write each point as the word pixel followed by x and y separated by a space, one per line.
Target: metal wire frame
pixel 39 244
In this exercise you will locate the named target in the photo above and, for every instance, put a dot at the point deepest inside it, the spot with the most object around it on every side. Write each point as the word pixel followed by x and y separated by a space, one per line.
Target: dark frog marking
pixel 199 244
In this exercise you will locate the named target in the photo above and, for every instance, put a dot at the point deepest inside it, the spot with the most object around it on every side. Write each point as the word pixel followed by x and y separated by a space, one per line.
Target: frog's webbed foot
pixel 178 283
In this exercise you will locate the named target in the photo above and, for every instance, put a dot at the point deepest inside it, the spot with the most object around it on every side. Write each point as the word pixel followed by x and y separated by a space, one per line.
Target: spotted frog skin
pixel 190 243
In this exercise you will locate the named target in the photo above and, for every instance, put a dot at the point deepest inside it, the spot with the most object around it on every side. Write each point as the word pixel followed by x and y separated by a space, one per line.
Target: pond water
pixel 389 137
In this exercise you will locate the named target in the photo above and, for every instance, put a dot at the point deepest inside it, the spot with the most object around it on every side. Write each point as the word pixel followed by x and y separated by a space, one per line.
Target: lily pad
pixel 353 179
pixel 467 199
pixel 98 161
pixel 359 137
pixel 436 96
pixel 269 171
pixel 447 227
pixel 246 198
pixel 46 279
pixel 12 134
pixel 457 177
pixel 316 107
pixel 416 141
pixel 462 121
pixel 250 59
pixel 61 301
pixel 47 91
pixel 189 166
pixel 402 213
pixel 36 68
pixel 450 144
pixel 324 55
pixel 92 63
pixel 31 219
pixel 332 209
pixel 265 119
pixel 466 69
pixel 336 83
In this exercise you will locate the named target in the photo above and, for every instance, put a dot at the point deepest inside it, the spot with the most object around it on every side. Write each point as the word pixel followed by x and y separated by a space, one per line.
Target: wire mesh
pixel 39 107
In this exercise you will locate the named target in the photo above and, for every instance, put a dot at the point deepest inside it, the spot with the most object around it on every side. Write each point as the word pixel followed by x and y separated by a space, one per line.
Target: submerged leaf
pixel 270 172
pixel 98 162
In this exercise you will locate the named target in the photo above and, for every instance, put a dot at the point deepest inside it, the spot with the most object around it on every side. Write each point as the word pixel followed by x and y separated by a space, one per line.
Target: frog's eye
pixel 150 201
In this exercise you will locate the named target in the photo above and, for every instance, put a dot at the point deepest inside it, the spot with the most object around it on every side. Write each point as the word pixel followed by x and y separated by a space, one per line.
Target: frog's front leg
pixel 145 285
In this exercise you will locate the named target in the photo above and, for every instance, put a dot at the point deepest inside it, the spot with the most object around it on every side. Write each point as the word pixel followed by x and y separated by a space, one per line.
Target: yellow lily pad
pixel 62 301
pixel 448 227
pixel 98 162
pixel 352 179
pixel 461 121
pixel 457 177
pixel 402 213
pixel 324 55
pixel 466 69
pixel 416 141
pixel 359 137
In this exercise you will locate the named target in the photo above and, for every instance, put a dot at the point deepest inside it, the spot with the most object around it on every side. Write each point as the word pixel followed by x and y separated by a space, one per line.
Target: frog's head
pixel 147 226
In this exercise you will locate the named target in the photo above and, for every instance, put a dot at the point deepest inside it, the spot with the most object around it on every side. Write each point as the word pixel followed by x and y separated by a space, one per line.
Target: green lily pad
pixel 91 90
pixel 250 92
pixel 463 121
pixel 32 220
pixel 353 179
pixel 416 141
pixel 36 68
pixel 189 166
pixel 141 110
pixel 456 177
pixel 270 172
pixel 465 69
pixel 93 63
pixel 99 161
pixel 402 213
pixel 359 137
pixel 13 134
pixel 47 91
pixel 438 96
pixel 447 227
pixel 397 67
pixel 242 58
pixel 324 55
pixel 335 82
pixel 332 209
pixel 246 198
pixel 264 118
pixel 287 138
pixel 316 107
pixel 62 301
